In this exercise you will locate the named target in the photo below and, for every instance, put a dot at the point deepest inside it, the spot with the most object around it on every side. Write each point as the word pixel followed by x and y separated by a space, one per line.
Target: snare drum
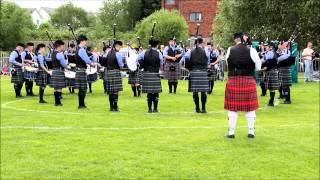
pixel 70 78
pixel 30 73
pixel 92 74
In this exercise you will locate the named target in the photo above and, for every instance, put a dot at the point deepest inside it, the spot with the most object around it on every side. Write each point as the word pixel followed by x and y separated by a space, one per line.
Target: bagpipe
pixel 188 63
pixel 141 63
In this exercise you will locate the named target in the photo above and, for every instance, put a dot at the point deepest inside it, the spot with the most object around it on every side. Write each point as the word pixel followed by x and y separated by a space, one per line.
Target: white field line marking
pixel 6 106
pixel 148 127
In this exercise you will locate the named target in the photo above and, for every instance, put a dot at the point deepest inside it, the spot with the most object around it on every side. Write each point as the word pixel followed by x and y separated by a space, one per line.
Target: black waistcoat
pixel 151 61
pixel 18 59
pixel 240 62
pixel 198 59
pixel 55 62
pixel 112 62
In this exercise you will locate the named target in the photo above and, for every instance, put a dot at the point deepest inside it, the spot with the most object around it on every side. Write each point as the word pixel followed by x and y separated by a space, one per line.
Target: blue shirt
pixel 285 54
pixel 166 49
pixel 119 59
pixel 141 56
pixel 208 52
pixel 61 58
pixel 24 54
pixel 12 58
pixel 187 56
pixel 268 55
pixel 41 59
pixel 94 58
pixel 83 54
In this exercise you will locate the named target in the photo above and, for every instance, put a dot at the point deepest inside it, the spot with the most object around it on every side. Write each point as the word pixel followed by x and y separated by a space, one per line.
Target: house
pixel 41 15
pixel 195 12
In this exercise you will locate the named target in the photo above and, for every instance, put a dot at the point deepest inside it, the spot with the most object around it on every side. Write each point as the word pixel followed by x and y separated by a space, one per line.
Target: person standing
pixel 213 54
pixel 82 61
pixel 172 56
pixel 285 73
pixel 27 57
pixel 150 61
pixel 198 79
pixel 308 63
pixel 17 65
pixel 59 63
pixel 241 92
pixel 42 76
pixel 113 76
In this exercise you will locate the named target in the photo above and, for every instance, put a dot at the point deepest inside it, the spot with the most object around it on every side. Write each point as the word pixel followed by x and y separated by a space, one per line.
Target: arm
pixel 187 55
pixel 284 56
pixel 255 58
pixel 165 54
pixel 84 56
pixel 160 57
pixel 228 54
pixel 12 59
pixel 119 59
pixel 41 63
pixel 62 60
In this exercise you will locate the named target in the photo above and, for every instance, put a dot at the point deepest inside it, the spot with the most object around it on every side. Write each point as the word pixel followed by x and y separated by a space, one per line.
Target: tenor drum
pixel 92 74
pixel 30 73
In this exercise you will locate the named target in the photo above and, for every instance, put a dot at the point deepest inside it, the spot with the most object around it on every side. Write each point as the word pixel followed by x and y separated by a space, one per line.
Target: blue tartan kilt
pixel 170 74
pixel 212 73
pixel 113 81
pixel 17 76
pixel 81 79
pixel 272 80
pixel 135 77
pixel 151 82
pixel 285 76
pixel 198 81
pixel 42 78
pixel 57 80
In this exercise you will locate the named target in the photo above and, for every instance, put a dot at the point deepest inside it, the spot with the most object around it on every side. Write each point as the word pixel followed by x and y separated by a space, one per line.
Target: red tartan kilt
pixel 241 94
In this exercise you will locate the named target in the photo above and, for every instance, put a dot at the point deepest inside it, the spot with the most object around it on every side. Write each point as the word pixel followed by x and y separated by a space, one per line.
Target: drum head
pixel 91 70
pixel 70 74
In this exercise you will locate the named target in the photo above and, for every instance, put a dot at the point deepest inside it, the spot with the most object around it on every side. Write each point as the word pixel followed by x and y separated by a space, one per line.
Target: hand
pixel 174 58
pixel 50 73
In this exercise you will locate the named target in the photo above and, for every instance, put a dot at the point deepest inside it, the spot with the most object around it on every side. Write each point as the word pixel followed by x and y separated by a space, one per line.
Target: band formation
pixel 79 67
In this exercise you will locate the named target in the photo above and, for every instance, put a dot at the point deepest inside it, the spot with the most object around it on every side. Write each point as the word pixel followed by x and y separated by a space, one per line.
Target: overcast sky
pixel 88 5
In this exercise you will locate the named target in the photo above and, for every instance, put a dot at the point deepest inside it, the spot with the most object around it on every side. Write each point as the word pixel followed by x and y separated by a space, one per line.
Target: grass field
pixel 47 142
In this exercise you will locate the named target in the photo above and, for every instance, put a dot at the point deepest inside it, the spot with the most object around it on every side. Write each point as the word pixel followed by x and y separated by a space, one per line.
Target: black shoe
pixel 230 136
pixel 116 110
pixel 82 107
pixel 19 96
pixel 111 109
pixel 271 105
pixel 210 92
pixel 150 111
pixel 58 104
pixel 286 102
pixel 42 101
pixel 280 97
pixel 155 111
pixel 198 111
pixel 250 136
pixel 203 111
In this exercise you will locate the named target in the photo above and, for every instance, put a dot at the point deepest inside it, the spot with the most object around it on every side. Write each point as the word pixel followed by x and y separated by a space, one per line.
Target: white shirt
pixel 307 51
pixel 254 56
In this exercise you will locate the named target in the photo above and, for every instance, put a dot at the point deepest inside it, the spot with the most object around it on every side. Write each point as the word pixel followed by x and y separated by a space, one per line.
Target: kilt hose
pixel 57 80
pixel 151 82
pixel 113 81
pixel 172 75
pixel 272 80
pixel 241 94
pixel 285 76
pixel 198 81
pixel 42 78
pixel 81 79
pixel 17 77
pixel 212 73
pixel 135 77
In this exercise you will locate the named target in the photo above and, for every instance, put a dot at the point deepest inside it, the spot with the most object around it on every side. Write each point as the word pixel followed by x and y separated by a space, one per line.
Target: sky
pixel 88 5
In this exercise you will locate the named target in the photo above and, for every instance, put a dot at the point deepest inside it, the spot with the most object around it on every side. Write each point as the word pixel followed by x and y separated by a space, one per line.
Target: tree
pixel 69 14
pixel 267 19
pixel 169 24
pixel 149 7
pixel 16 23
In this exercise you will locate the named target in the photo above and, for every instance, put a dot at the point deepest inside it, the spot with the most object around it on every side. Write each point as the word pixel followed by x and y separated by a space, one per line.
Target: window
pixel 170 1
pixel 196 17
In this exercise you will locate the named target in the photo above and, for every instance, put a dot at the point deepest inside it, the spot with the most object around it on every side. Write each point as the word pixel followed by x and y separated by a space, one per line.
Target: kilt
pixel 113 81
pixel 135 77
pixel 285 76
pixel 198 81
pixel 151 82
pixel 42 78
pixel 70 82
pixel 92 77
pixel 260 76
pixel 272 82
pixel 17 77
pixel 212 73
pixel 57 80
pixel 172 76
pixel 81 79
pixel 241 94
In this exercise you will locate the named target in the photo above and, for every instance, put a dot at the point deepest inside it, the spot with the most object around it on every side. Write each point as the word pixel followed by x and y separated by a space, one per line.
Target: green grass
pixel 174 144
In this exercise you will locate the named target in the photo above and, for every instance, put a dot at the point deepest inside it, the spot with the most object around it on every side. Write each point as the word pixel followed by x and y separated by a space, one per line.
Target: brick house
pixel 195 11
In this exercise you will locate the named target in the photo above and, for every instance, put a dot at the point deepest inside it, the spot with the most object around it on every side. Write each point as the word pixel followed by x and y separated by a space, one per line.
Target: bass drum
pixel 132 60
